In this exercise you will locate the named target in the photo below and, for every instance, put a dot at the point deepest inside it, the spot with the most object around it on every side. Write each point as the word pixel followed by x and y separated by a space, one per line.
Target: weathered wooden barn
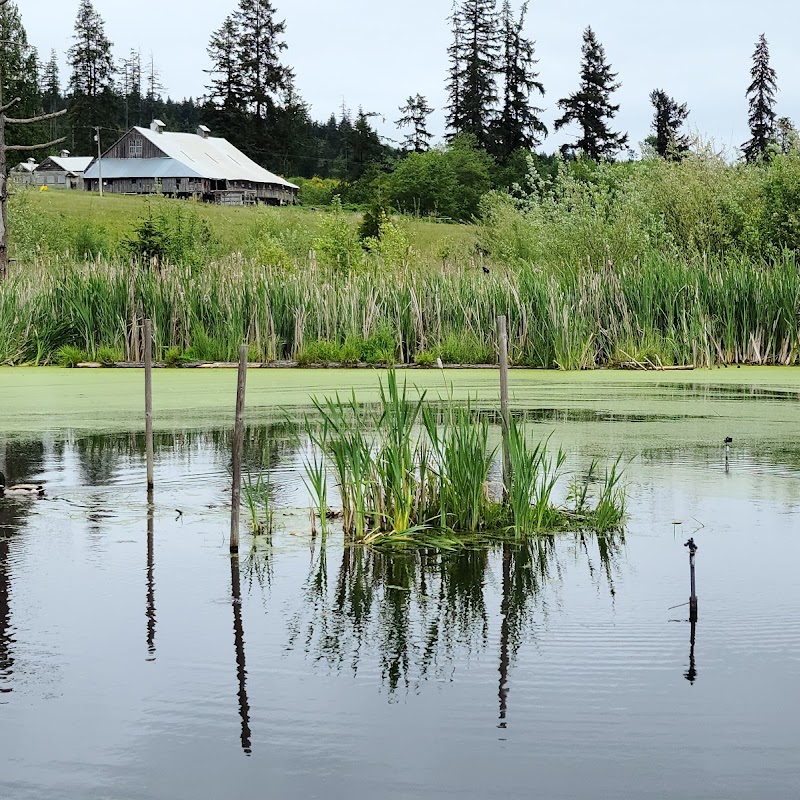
pixel 62 171
pixel 22 174
pixel 154 160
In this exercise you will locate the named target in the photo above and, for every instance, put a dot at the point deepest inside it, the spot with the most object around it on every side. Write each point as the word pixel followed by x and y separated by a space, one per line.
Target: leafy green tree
pixel 761 94
pixel 668 120
pixel 415 116
pixel 19 73
pixel 472 83
pixel 446 183
pixel 591 107
pixel 92 101
pixel 787 136
pixel 519 125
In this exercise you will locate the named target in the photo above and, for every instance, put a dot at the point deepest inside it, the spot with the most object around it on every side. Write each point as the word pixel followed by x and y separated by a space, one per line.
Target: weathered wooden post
pixel 148 400
pixel 238 447
pixel 693 597
pixel 504 410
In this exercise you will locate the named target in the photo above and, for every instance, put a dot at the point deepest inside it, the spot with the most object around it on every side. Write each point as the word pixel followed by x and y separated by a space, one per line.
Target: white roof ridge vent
pixel 64 154
pixel 158 126
pixel 203 132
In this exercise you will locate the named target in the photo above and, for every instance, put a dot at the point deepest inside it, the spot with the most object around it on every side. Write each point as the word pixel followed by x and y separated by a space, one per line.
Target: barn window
pixel 135 148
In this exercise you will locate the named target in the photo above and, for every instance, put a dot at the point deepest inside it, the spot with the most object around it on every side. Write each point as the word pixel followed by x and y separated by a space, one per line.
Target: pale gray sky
pixel 376 52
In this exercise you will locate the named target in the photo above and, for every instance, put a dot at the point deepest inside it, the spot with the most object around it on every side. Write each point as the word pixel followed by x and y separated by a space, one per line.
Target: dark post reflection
pixel 505 607
pixel 6 639
pixel 691 673
pixel 241 669
pixel 150 611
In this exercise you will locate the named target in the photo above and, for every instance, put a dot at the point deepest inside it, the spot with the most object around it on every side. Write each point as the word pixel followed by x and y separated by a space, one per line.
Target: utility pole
pixel 4 150
pixel 99 159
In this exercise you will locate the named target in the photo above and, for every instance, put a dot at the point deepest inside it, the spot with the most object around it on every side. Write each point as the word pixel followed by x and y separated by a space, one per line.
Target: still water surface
pixel 136 661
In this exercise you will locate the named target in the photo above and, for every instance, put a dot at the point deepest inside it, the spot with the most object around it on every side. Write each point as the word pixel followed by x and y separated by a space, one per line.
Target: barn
pixel 62 171
pixel 199 165
pixel 22 174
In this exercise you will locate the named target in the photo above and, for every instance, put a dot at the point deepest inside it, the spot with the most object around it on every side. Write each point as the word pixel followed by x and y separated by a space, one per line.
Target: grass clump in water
pixel 409 470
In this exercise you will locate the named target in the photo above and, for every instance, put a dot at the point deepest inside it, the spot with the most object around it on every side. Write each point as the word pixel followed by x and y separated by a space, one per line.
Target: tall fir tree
pixel 668 140
pixel 19 73
pixel 130 72
pixel 264 77
pixel 519 125
pixel 761 94
pixel 472 83
pixel 415 115
pixel 591 107
pixel 92 100
pixel 52 98
pixel 227 82
pixel 787 136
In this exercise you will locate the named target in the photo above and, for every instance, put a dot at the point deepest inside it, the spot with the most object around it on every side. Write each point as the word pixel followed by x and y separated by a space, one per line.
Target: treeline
pixel 494 122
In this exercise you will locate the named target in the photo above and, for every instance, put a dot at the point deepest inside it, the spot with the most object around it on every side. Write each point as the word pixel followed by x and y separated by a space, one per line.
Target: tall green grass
pixel 707 311
pixel 408 469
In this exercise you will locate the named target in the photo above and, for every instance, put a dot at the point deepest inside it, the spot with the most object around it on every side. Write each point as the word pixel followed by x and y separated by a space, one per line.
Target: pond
pixel 137 660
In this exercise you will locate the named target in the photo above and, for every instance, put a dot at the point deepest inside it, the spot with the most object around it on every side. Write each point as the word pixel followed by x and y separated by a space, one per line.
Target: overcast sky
pixel 374 53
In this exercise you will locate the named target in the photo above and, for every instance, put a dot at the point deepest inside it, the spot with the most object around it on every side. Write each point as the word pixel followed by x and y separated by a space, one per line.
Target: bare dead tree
pixel 4 150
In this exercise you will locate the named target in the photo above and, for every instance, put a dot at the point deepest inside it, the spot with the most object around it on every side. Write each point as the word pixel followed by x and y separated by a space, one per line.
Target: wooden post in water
pixel 693 597
pixel 238 447
pixel 504 410
pixel 148 399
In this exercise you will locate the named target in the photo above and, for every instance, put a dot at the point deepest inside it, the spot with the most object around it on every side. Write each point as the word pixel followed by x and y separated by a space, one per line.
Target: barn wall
pixel 121 148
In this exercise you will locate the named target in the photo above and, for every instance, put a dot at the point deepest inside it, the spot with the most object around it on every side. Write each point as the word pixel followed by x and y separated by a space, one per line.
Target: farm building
pixel 62 171
pixel 22 174
pixel 153 160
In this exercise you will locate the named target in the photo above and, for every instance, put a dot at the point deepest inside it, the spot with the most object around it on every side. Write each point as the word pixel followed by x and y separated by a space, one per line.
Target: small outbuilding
pixel 22 174
pixel 198 165
pixel 62 171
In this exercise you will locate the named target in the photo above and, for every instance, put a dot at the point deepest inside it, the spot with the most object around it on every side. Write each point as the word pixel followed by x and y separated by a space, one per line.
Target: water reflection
pixel 241 667
pixel 691 673
pixel 150 608
pixel 419 612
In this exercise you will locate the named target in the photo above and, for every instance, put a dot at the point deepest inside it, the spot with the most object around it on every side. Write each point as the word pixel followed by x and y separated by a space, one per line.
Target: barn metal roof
pixel 191 156
pixel 73 164
pixel 121 168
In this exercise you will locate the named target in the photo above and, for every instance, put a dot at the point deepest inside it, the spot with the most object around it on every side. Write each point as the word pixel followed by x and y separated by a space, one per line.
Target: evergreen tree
pixel 473 69
pixel 264 77
pixel 590 107
pixel 415 115
pixel 19 73
pixel 519 125
pixel 130 71
pixel 364 146
pixel 761 94
pixel 668 120
pixel 92 101
pixel 227 82
pixel 52 99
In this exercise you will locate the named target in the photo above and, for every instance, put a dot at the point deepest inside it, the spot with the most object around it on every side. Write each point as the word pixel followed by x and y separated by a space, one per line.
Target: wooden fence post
pixel 238 447
pixel 504 409
pixel 148 399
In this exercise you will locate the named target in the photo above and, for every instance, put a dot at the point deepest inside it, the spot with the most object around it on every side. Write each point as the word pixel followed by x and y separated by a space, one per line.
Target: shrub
pixel 70 356
pixel 108 356
pixel 338 243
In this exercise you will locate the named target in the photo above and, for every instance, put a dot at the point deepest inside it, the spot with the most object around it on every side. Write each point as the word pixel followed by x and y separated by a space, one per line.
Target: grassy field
pixel 233 227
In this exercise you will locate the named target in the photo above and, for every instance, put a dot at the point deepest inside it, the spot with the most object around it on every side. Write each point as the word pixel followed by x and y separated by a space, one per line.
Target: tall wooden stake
pixel 148 400
pixel 238 447
pixel 504 410
pixel 693 597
